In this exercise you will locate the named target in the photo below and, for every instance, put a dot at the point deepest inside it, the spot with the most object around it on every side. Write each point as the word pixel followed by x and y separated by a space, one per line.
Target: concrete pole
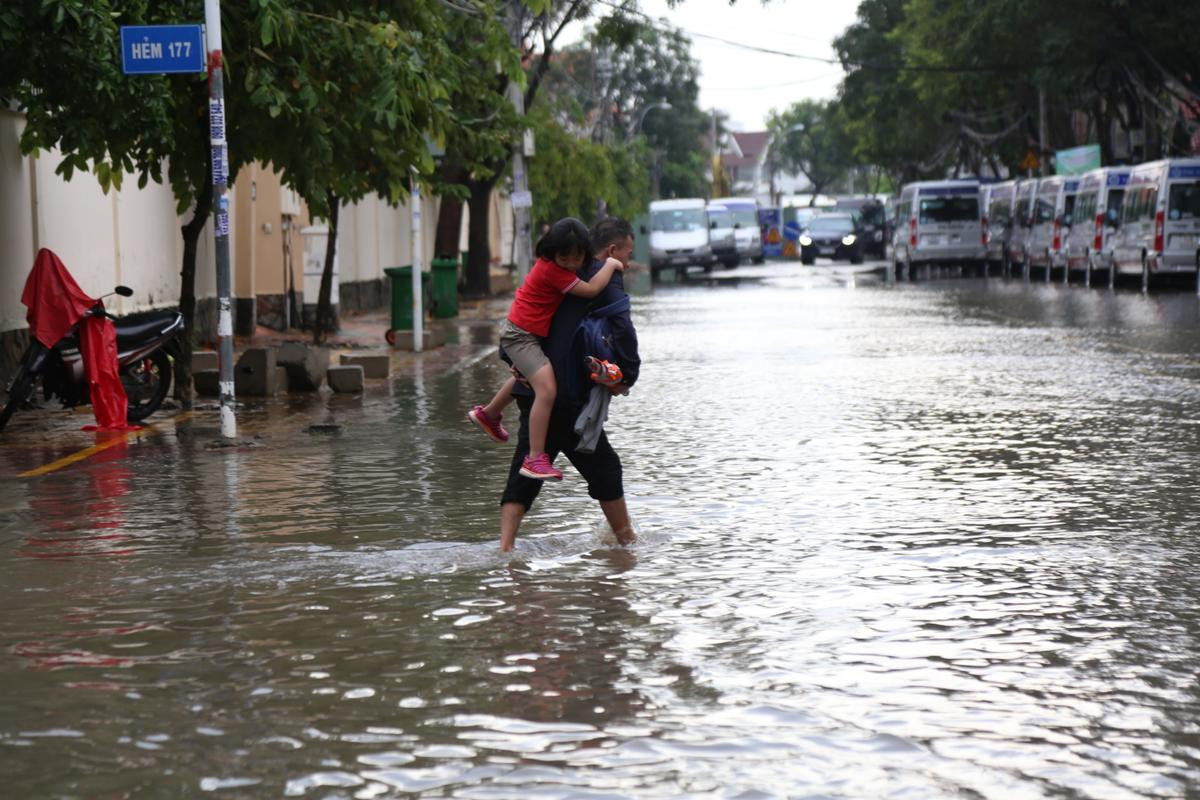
pixel 522 244
pixel 220 179
pixel 414 200
pixel 1042 130
pixel 523 247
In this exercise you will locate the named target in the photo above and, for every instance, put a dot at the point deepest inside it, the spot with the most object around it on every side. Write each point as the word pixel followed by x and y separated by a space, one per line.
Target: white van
pixel 1097 208
pixel 1018 239
pixel 1159 228
pixel 1052 215
pixel 679 235
pixel 746 232
pixel 999 220
pixel 720 234
pixel 939 222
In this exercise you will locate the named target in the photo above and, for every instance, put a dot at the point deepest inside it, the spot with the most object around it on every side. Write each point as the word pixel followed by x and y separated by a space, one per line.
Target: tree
pixel 936 88
pixel 478 148
pixel 810 137
pixel 338 102
pixel 571 174
pixel 344 104
pixel 605 84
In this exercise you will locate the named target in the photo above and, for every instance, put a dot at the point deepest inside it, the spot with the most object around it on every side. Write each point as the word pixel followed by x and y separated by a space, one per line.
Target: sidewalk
pixel 477 325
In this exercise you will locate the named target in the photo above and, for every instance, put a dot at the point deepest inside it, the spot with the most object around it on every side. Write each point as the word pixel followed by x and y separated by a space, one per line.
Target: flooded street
pixel 928 540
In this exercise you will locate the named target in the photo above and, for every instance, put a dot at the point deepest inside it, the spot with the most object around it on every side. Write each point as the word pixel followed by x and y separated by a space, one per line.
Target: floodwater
pixel 916 541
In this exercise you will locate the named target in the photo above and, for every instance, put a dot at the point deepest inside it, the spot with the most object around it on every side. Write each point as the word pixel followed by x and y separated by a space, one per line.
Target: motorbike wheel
pixel 146 382
pixel 17 393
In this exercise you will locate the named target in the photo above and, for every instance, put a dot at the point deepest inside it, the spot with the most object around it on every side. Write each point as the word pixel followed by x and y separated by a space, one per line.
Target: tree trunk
pixel 449 228
pixel 187 296
pixel 479 255
pixel 325 318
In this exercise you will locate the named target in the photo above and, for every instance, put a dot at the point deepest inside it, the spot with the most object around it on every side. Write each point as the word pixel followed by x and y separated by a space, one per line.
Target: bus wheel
pixel 1145 274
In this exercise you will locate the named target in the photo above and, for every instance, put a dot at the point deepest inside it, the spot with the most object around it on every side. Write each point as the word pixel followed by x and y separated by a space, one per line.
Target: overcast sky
pixel 748 84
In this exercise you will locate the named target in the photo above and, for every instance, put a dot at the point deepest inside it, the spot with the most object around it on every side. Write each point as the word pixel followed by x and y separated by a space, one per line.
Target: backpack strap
pixel 619 306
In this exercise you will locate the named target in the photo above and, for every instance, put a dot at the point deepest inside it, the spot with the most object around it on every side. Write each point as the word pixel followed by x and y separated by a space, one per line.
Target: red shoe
pixel 539 468
pixel 491 427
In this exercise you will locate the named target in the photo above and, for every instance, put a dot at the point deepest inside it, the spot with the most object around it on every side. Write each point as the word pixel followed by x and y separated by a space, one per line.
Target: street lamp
pixel 799 126
pixel 663 104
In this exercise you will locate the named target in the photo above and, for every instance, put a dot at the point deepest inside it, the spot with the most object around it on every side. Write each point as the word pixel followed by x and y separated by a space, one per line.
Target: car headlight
pixel 806 240
pixel 849 239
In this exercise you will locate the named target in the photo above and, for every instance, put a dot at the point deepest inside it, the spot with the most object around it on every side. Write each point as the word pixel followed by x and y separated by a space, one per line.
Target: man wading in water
pixel 610 238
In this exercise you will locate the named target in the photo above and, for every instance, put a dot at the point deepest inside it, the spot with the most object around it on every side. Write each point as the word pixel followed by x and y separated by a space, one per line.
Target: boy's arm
pixel 598 281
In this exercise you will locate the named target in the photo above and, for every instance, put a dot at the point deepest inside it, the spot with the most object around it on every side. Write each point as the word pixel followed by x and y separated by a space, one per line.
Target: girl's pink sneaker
pixel 539 468
pixel 491 427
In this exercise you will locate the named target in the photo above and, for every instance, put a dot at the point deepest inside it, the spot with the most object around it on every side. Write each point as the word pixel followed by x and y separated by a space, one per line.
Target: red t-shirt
pixel 540 295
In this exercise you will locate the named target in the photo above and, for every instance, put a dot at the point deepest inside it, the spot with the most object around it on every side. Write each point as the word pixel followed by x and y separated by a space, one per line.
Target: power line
pixel 666 27
pixel 826 76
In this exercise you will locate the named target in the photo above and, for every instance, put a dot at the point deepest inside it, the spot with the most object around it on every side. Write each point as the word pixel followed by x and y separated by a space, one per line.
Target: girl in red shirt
pixel 561 252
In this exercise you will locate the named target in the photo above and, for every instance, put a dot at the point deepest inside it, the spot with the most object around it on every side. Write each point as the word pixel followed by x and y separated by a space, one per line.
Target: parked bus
pixel 999 208
pixel 1097 208
pixel 939 222
pixel 1052 216
pixel 720 235
pixel 679 235
pixel 745 226
pixel 1159 228
pixel 1018 240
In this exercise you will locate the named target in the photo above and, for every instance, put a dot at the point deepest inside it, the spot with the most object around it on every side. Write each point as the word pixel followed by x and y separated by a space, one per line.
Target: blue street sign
pixel 158 49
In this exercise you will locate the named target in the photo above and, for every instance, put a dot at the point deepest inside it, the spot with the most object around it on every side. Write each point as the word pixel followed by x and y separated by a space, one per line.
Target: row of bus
pixel 1134 220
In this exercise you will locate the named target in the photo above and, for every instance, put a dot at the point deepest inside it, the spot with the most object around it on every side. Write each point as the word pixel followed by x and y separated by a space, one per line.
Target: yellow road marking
pixel 88 452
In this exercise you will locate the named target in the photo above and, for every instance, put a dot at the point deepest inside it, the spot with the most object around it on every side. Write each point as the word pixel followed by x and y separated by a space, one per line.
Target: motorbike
pixel 146 342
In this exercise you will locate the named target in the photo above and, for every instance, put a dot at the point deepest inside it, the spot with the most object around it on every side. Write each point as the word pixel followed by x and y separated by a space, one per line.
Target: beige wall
pixel 131 236
pixel 377 235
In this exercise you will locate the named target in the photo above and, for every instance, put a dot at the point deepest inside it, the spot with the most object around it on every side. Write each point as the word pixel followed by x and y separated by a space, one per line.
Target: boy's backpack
pixel 592 338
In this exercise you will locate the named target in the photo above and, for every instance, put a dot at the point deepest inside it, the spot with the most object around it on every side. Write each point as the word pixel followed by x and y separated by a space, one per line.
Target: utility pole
pixel 521 199
pixel 1042 130
pixel 220 179
pixel 418 310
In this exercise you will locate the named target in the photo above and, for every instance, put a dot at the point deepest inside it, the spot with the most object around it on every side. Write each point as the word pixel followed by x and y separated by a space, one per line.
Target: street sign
pixel 1077 160
pixel 161 49
pixel 1030 161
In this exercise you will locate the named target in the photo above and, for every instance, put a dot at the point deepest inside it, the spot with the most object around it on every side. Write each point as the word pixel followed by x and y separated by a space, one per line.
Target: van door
pixel 1181 225
pixel 948 218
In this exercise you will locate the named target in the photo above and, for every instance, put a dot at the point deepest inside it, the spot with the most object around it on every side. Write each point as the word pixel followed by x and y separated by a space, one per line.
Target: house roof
pixel 751 143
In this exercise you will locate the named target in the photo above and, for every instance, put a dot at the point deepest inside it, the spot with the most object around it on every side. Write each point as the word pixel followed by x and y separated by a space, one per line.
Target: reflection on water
pixel 924 541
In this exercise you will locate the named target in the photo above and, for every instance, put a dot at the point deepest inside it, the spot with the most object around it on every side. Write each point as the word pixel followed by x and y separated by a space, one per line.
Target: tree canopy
pixel 935 87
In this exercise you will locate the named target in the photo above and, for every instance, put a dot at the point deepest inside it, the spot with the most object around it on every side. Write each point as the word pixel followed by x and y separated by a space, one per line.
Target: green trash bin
pixel 402 299
pixel 445 287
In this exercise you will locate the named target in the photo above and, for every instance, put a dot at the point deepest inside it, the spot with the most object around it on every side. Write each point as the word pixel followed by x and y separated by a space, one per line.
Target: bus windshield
pixel 949 209
pixel 679 220
pixel 746 217
pixel 1184 201
pixel 720 218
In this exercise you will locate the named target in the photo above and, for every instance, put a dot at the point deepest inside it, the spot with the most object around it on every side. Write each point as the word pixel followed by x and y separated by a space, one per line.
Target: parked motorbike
pixel 145 343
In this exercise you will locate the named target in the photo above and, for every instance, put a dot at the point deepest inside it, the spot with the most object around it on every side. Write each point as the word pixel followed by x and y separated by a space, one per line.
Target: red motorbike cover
pixel 55 303
pixel 98 345
pixel 54 300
